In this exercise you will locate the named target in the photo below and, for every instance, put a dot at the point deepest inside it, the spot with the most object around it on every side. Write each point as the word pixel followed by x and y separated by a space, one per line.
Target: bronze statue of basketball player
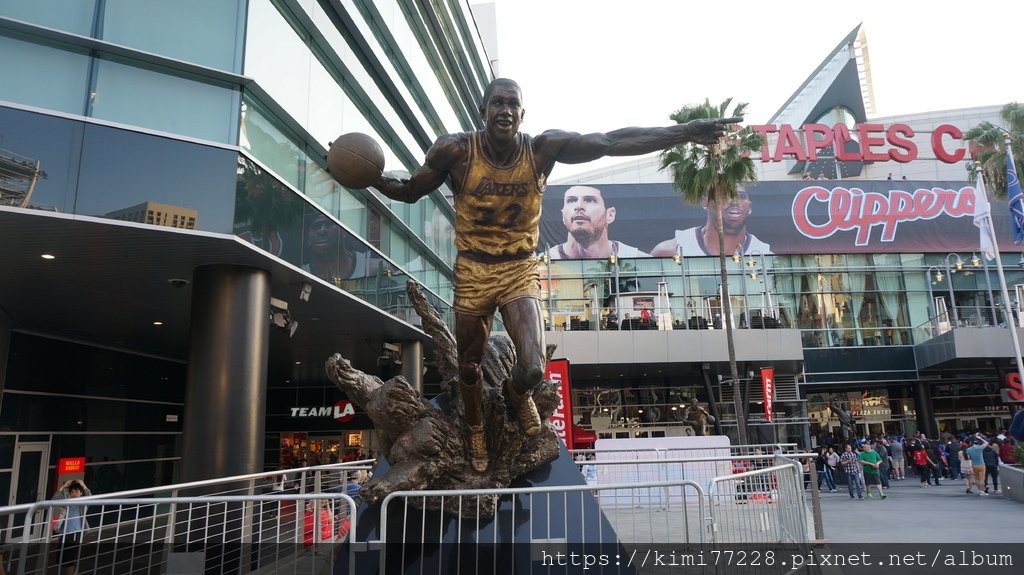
pixel 498 175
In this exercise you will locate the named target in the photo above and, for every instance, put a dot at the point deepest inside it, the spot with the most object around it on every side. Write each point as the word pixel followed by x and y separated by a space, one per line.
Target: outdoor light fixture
pixel 280 316
pixel 545 259
pixel 975 260
pixel 677 258
pixel 939 276
pixel 751 263
pixel 736 256
pixel 753 275
pixel 612 259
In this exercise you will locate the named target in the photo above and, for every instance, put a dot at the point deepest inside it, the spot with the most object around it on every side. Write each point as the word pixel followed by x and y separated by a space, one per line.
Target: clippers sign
pixel 561 419
pixel 878 143
pixel 855 209
pixel 342 411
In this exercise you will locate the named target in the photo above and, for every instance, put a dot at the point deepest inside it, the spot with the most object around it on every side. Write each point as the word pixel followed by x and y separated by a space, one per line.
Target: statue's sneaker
pixel 478 448
pixel 526 410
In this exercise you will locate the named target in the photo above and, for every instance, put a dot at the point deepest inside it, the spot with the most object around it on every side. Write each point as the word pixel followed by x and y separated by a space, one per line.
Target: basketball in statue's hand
pixel 710 418
pixel 355 160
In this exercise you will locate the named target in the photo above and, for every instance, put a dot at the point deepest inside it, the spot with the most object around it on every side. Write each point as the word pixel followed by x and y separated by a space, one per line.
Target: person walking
pixel 922 462
pixel 70 524
pixel 871 464
pixel 852 468
pixel 899 463
pixel 991 457
pixel 832 460
pixel 938 468
pixel 824 471
pixel 976 453
pixel 965 466
pixel 953 449
pixel 883 468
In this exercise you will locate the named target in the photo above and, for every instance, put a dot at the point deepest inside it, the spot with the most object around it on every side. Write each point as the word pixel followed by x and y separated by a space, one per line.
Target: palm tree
pixel 714 174
pixel 990 150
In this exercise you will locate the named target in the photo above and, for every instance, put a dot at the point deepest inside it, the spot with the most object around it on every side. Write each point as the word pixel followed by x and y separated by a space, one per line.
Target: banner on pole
pixel 561 419
pixel 768 388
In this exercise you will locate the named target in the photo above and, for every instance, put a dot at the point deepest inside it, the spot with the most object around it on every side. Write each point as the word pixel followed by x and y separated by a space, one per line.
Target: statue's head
pixel 502 109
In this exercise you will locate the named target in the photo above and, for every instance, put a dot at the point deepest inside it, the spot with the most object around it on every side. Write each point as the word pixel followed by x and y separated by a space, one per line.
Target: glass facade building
pixel 219 112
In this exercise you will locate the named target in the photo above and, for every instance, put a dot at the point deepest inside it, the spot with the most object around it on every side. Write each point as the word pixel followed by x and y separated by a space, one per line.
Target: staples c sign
pixel 878 143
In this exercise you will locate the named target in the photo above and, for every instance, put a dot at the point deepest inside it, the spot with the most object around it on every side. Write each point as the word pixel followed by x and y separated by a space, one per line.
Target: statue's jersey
pixel 497 210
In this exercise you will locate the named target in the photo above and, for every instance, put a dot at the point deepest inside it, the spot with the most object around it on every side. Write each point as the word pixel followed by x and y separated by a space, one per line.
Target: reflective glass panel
pixel 282 66
pixel 34 145
pixel 270 145
pixel 73 16
pixel 206 32
pixel 44 77
pixel 122 169
pixel 166 103
pixel 267 213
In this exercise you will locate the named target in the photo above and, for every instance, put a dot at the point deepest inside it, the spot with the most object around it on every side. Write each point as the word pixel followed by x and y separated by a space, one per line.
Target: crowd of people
pixel 868 462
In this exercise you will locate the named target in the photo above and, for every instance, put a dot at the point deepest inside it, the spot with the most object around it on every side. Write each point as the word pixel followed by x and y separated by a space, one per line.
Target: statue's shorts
pixel 483 286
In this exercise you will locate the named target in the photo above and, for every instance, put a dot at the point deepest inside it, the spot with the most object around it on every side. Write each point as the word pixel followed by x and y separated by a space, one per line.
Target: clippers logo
pixel 855 209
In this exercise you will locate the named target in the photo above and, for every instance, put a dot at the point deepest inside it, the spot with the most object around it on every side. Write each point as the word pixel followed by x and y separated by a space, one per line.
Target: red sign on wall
pixel 561 419
pixel 768 387
pixel 1013 391
pixel 71 465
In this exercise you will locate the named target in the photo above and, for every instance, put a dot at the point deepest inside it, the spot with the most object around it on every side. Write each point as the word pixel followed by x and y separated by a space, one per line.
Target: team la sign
pixel 878 142
pixel 342 411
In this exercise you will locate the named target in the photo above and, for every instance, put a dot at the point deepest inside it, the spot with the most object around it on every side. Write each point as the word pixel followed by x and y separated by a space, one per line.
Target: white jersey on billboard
pixel 623 251
pixel 691 240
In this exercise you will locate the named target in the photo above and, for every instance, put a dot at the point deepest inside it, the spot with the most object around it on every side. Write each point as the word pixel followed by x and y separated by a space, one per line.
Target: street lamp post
pixel 1010 323
pixel 958 265
pixel 934 319
pixel 678 258
pixel 766 296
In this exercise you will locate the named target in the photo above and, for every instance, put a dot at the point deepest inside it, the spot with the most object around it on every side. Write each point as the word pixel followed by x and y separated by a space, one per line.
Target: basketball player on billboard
pixel 586 217
pixel 703 240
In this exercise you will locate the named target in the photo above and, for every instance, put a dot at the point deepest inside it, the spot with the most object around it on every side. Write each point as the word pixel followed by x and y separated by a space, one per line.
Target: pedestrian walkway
pixel 933 514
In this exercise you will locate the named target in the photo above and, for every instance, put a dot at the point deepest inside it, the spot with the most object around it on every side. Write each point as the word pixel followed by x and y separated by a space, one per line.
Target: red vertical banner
pixel 561 419
pixel 768 387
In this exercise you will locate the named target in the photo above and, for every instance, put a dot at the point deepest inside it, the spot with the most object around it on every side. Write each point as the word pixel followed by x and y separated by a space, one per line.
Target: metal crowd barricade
pixel 28 522
pixel 546 519
pixel 759 506
pixel 318 479
pixel 186 535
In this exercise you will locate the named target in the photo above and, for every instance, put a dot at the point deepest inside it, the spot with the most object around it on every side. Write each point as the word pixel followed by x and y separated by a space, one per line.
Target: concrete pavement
pixel 934 514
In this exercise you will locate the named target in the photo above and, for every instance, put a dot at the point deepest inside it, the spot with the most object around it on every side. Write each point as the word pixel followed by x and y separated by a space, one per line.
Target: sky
pixel 598 65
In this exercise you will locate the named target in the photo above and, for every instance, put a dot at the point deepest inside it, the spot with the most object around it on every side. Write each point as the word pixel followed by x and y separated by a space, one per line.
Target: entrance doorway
pixel 28 480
